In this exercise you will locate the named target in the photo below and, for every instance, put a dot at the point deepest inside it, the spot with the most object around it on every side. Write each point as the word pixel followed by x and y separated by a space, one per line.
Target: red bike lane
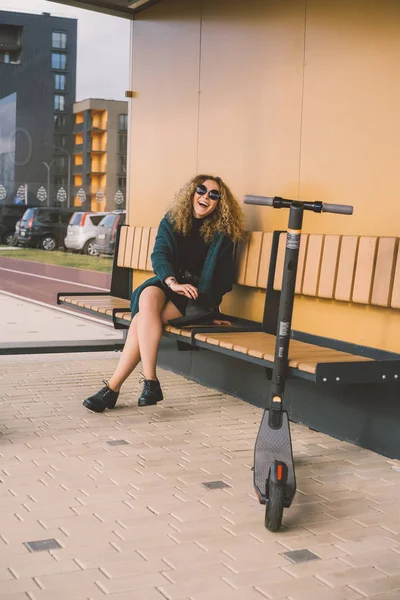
pixel 41 282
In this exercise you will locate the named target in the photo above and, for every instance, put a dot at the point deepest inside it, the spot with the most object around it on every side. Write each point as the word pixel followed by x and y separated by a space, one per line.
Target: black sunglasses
pixel 212 194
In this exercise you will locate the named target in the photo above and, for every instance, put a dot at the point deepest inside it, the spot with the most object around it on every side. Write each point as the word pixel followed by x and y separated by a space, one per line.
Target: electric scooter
pixel 274 476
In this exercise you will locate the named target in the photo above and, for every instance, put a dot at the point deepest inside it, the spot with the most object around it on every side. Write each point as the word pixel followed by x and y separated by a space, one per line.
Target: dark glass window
pixel 59 122
pixel 60 141
pixel 121 183
pixel 60 181
pixel 122 122
pixel 59 82
pixel 58 61
pixel 60 162
pixel 122 144
pixel 59 39
pixel 59 102
pixel 96 219
pixel 46 216
pixel 122 164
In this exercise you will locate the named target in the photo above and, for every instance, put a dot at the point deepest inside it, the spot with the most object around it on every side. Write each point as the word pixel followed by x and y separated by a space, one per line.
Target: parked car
pixel 82 230
pixel 44 227
pixel 9 215
pixel 107 231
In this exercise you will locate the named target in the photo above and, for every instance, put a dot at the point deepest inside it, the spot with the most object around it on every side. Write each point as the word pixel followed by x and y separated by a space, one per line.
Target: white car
pixel 82 231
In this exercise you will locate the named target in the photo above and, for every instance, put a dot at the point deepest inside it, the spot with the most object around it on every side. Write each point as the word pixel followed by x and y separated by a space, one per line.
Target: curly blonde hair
pixel 227 217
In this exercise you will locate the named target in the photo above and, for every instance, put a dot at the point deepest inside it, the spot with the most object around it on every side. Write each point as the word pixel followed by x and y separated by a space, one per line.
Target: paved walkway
pixel 24 321
pixel 116 507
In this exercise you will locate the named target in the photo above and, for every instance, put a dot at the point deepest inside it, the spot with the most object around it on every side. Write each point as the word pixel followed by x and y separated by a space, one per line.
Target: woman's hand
pixel 219 322
pixel 184 289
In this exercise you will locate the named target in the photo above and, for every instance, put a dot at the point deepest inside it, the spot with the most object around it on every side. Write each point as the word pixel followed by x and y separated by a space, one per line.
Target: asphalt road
pixel 38 281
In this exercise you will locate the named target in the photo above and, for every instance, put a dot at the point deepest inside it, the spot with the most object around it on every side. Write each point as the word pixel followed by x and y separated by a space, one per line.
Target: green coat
pixel 216 278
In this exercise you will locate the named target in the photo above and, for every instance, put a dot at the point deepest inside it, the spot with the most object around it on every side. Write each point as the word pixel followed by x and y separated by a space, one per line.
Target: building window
pixel 59 102
pixel 122 144
pixel 60 141
pixel 122 164
pixel 59 82
pixel 59 40
pixel 60 162
pixel 58 61
pixel 59 122
pixel 122 122
pixel 121 183
pixel 60 181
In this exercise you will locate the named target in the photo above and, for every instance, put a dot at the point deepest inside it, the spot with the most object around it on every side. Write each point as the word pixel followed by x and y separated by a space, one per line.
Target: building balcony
pixel 10 47
pixel 96 171
pixel 78 127
pixel 78 148
pixel 77 169
pixel 96 130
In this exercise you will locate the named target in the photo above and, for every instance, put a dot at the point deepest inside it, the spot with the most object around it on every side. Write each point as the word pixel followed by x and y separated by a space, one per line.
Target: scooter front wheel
pixel 274 508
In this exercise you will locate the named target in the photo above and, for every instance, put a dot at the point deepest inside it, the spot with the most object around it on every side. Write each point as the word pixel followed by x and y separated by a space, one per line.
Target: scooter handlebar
pixel 341 209
pixel 260 200
pixel 277 202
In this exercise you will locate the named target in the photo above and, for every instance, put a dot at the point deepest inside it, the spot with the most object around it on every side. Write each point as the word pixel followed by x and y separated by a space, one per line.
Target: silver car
pixel 82 231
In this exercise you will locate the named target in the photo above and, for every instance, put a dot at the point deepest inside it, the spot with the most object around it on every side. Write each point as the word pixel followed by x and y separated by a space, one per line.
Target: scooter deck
pixel 273 445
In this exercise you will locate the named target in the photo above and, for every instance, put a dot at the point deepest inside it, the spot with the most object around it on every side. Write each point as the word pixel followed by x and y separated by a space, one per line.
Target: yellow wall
pixel 296 98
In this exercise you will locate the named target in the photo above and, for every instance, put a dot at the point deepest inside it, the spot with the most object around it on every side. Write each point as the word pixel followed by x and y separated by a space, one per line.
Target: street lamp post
pixel 69 170
pixel 48 180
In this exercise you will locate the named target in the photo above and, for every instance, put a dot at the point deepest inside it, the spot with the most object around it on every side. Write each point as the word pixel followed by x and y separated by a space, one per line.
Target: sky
pixel 103 48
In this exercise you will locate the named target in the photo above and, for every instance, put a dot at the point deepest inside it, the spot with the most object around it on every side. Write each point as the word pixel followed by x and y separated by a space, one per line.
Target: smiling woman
pixel 193 263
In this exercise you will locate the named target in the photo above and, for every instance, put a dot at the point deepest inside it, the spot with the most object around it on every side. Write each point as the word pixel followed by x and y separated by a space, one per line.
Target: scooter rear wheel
pixel 274 508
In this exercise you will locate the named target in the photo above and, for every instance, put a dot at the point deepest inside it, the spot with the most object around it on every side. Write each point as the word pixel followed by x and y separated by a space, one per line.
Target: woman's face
pixel 203 205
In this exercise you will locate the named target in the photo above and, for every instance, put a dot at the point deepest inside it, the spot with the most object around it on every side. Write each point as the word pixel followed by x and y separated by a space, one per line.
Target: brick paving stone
pixel 339 593
pixel 353 576
pixel 378 586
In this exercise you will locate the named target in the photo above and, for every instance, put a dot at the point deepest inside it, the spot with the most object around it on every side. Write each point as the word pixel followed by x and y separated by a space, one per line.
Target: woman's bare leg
pixel 129 359
pixel 130 356
pixel 153 313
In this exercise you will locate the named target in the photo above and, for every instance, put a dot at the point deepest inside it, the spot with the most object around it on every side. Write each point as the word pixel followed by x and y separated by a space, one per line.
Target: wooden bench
pixel 353 269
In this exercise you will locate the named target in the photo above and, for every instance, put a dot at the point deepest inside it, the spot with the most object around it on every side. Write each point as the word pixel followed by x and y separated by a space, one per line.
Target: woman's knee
pixel 152 299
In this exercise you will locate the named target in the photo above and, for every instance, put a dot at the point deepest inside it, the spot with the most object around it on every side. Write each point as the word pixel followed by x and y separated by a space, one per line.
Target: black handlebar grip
pixel 340 209
pixel 260 200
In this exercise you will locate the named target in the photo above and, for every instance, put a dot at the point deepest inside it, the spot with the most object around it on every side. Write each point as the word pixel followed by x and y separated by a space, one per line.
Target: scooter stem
pixel 280 368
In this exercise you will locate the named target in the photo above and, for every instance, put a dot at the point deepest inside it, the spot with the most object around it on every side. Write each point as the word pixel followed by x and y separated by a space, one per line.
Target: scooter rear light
pixel 279 472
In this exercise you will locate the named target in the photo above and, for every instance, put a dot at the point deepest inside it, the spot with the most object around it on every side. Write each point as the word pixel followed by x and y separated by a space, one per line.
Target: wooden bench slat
pixel 253 258
pixel 346 266
pixel 328 270
pixel 265 257
pixel 364 272
pixel 122 246
pixel 395 300
pixel 303 251
pixel 144 248
pixel 280 261
pixel 129 247
pixel 384 271
pixel 136 247
pixel 312 265
pixel 241 261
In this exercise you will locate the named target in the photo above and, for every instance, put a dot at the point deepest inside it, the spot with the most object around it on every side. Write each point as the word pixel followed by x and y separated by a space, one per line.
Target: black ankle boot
pixel 105 398
pixel 151 393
